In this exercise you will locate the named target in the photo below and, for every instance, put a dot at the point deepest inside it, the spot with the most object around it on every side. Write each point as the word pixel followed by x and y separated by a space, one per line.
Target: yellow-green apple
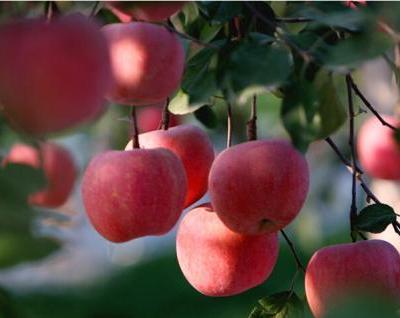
pixel 219 262
pixel 378 150
pixel 336 272
pixel 134 193
pixel 151 11
pixel 258 186
pixel 58 166
pixel 147 62
pixel 53 75
pixel 193 147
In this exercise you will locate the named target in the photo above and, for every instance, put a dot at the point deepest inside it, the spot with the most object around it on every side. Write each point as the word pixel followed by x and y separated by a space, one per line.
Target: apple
pixel 58 166
pixel 258 186
pixel 193 147
pixel 151 11
pixel 53 75
pixel 147 62
pixel 219 262
pixel 149 118
pixel 378 151
pixel 134 193
pixel 336 272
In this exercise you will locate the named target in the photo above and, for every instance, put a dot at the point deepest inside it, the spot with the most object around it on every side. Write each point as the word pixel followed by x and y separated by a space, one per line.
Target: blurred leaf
pixel 21 247
pixel 220 11
pixel 280 305
pixel 206 116
pixel 180 104
pixel 313 111
pixel 17 181
pixel 250 64
pixel 105 16
pixel 375 218
pixel 7 306
pixel 356 49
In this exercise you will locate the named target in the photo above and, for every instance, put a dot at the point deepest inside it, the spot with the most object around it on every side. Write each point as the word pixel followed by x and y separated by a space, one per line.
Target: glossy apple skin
pixel 53 75
pixel 218 262
pixel 258 186
pixel 193 147
pixel 58 166
pixel 134 193
pixel 149 118
pixel 151 11
pixel 378 151
pixel 147 62
pixel 334 272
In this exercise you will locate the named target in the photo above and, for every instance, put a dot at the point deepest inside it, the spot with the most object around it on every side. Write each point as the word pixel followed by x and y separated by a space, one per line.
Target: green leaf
pixel 17 181
pixel 219 11
pixel 353 51
pixel 280 305
pixel 375 218
pixel 16 248
pixel 313 111
pixel 206 116
pixel 180 104
pixel 250 64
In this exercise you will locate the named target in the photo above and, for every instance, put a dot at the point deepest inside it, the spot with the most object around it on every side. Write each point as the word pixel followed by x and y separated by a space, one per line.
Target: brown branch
pixel 95 7
pixel 368 104
pixel 252 123
pixel 293 20
pixel 293 250
pixel 353 208
pixel 134 132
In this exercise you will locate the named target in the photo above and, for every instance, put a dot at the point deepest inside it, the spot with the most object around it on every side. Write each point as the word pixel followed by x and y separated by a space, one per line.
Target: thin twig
pixel 293 250
pixel 252 123
pixel 94 9
pixel 135 132
pixel 368 104
pixel 353 208
pixel 229 125
pixel 293 20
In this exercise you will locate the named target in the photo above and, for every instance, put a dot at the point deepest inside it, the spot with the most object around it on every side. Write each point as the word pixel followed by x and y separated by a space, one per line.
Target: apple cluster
pixel 55 75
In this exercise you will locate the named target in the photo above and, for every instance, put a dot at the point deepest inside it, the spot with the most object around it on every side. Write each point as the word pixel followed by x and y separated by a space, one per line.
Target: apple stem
pixel 164 125
pixel 135 132
pixel 51 10
pixel 94 10
pixel 294 253
pixel 353 208
pixel 229 125
pixel 252 123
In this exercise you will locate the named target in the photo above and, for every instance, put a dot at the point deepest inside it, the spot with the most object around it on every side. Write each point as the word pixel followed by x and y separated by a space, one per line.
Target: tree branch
pixel 135 132
pixel 252 123
pixel 293 250
pixel 164 125
pixel 293 20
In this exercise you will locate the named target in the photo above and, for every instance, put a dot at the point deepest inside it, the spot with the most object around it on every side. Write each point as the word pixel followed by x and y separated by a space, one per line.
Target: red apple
pixel 258 186
pixel 147 62
pixel 58 166
pixel 378 151
pixel 151 11
pixel 134 193
pixel 336 272
pixel 192 145
pixel 219 262
pixel 53 75
pixel 149 118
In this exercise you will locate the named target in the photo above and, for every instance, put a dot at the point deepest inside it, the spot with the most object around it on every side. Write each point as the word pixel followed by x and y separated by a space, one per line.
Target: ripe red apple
pixel 338 271
pixel 151 11
pixel 53 75
pixel 219 262
pixel 258 186
pixel 147 62
pixel 378 151
pixel 193 147
pixel 58 166
pixel 149 118
pixel 134 193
